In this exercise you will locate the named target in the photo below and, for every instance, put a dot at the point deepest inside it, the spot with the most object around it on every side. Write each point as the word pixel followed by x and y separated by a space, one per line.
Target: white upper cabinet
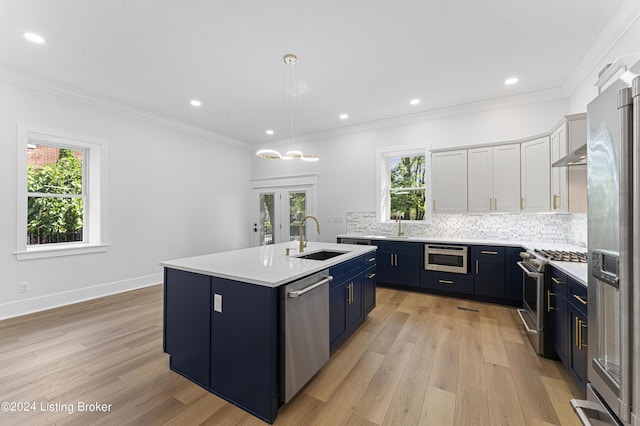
pixel 449 181
pixel 568 184
pixel 559 175
pixel 535 179
pixel 494 178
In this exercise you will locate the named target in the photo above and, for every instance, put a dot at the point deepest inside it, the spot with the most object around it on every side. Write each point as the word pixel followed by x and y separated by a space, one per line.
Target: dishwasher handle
pixel 298 293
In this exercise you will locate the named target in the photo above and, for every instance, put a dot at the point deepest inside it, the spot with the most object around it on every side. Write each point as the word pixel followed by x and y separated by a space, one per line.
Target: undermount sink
pixel 321 255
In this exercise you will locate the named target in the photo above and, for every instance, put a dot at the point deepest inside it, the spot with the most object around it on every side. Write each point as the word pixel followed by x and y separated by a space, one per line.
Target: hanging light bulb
pixel 290 60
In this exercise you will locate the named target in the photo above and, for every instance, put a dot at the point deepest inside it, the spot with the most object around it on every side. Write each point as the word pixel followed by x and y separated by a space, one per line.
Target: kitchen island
pixel 224 316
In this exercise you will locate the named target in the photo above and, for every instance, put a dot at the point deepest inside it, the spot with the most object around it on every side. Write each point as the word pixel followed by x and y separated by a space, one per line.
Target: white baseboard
pixel 50 301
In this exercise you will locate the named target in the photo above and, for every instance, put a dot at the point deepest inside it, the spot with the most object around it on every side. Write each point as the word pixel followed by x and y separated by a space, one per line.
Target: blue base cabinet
pixel 233 353
pixel 558 308
pixel 567 304
pixel 447 282
pixel 351 296
pixel 369 285
pixel 187 316
pixel 577 301
pixel 488 266
pixel 514 277
pixel 399 263
pixel 244 347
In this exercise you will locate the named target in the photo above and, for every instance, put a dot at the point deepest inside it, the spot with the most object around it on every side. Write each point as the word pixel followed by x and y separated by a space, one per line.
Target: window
pixel 402 183
pixel 407 187
pixel 60 198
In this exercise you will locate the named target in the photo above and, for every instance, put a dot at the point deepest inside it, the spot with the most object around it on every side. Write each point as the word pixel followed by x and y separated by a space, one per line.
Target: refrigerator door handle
pixel 625 114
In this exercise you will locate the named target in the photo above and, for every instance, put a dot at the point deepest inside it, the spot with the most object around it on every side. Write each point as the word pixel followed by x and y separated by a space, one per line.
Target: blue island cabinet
pixel 232 353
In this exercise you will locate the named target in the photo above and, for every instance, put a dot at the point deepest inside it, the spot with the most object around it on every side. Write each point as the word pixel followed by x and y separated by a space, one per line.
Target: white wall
pixel 628 43
pixel 170 195
pixel 346 170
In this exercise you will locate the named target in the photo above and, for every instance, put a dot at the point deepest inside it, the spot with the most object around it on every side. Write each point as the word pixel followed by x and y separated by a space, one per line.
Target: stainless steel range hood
pixel 575 158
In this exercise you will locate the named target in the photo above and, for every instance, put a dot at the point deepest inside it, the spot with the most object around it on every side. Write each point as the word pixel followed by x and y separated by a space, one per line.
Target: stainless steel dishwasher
pixel 304 339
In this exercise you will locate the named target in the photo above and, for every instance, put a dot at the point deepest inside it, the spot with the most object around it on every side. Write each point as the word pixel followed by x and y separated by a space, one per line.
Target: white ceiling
pixel 367 58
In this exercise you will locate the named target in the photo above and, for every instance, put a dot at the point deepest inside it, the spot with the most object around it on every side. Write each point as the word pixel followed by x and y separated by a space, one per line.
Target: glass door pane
pixel 266 224
pixel 297 210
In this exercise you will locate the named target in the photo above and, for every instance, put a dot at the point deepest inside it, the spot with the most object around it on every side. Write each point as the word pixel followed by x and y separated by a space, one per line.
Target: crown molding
pixel 626 15
pixel 73 94
pixel 449 111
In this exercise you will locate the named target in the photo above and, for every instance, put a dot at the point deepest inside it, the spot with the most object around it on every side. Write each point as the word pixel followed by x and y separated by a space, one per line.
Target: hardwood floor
pixel 418 359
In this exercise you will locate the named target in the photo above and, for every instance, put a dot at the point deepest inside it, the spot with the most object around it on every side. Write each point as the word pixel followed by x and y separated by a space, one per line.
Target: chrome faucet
pixel 399 222
pixel 303 243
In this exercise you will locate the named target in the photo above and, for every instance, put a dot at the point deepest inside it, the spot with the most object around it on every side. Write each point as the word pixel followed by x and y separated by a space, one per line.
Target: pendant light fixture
pixel 292 107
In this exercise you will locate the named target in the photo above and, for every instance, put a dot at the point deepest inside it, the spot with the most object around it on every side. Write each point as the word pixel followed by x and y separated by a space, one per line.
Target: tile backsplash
pixel 552 228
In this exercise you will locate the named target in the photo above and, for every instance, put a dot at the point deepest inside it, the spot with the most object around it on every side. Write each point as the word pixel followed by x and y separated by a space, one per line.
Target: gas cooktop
pixel 562 255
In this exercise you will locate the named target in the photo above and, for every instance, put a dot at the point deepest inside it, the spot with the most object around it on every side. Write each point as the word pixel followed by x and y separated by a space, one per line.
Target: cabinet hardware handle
pixel 549 307
pixel 495 204
pixel 580 299
pixel 490 204
pixel 371 276
pixel 577 332
pixel 476 266
pixel 555 201
pixel 445 281
pixel 521 203
pixel 582 325
pixel 396 256
pixel 434 205
pixel 557 281
pixel 488 252
pixel 373 259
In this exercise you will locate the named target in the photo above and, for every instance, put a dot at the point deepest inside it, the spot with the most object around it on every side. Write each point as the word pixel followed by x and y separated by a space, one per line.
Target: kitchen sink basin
pixel 321 255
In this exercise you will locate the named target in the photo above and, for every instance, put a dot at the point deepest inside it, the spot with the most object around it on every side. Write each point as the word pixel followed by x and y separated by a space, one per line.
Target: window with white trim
pixel 60 193
pixel 402 184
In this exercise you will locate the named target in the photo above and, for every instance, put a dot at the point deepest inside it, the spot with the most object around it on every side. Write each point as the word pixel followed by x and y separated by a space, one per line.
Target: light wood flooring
pixel 418 359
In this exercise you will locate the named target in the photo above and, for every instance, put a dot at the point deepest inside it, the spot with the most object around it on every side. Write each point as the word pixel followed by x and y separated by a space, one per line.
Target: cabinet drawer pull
pixel 495 204
pixel 549 307
pixel 582 325
pixel 490 204
pixel 488 252
pixel 555 201
pixel 371 276
pixel 577 332
pixel 476 266
pixel 557 281
pixel 373 259
pixel 580 299
pixel 521 203
pixel 445 281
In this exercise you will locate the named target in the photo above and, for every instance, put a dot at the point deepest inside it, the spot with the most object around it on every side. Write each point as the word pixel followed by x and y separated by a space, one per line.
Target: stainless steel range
pixel 534 315
pixel 562 255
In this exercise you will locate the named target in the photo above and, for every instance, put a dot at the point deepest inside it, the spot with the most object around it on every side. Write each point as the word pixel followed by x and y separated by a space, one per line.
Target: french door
pixel 277 212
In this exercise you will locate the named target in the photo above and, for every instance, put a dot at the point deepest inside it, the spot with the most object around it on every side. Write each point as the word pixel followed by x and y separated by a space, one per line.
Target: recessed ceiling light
pixel 510 81
pixel 343 116
pixel 269 132
pixel 195 103
pixel 414 101
pixel 35 38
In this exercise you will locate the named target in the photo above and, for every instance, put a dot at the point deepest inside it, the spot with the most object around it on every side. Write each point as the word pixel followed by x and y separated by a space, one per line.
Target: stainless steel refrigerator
pixel 613 181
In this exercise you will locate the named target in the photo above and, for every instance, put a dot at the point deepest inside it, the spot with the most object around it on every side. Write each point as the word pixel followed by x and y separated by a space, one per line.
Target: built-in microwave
pixel 446 258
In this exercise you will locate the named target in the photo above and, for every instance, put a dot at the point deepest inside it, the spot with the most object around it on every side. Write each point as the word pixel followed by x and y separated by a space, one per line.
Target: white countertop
pixel 577 271
pixel 268 266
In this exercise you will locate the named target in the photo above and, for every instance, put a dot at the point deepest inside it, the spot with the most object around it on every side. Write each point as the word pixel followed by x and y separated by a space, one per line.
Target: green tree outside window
pixel 407 187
